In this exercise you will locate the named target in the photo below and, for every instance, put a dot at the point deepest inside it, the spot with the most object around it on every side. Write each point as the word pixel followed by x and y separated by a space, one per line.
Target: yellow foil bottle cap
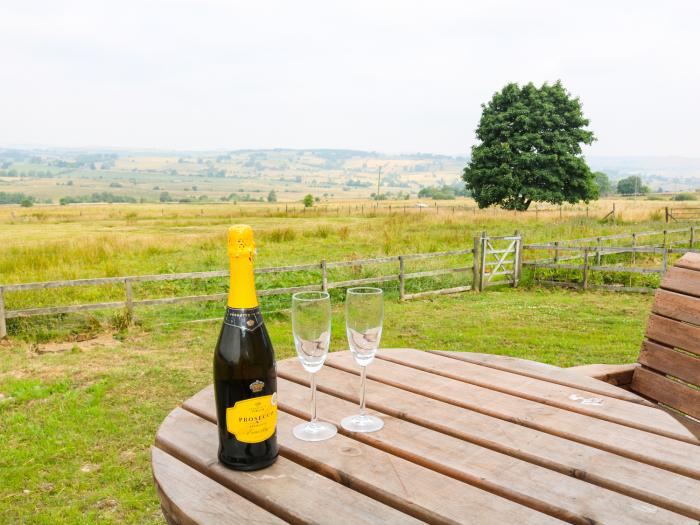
pixel 240 241
pixel 241 249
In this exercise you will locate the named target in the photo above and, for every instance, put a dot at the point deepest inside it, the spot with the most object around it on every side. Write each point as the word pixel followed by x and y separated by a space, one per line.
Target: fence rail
pixel 584 253
pixel 129 303
pixel 682 214
pixel 504 268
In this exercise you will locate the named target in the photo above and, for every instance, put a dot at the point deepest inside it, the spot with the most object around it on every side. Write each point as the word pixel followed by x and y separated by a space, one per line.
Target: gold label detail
pixel 253 420
pixel 256 386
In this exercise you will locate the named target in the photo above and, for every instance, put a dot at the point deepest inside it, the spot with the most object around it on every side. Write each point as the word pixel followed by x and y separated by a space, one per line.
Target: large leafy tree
pixel 529 149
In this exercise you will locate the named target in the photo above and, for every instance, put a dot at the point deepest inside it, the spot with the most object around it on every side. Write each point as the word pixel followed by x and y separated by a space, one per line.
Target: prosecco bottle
pixel 245 381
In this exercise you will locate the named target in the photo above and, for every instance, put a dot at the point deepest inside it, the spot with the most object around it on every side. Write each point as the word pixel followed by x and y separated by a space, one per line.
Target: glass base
pixel 314 431
pixel 362 423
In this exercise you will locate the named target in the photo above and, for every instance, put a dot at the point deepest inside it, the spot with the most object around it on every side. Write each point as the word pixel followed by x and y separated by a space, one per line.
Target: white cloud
pixel 392 76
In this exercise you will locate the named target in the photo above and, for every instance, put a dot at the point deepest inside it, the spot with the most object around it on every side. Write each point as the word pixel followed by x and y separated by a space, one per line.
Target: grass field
pixel 76 425
pixel 82 396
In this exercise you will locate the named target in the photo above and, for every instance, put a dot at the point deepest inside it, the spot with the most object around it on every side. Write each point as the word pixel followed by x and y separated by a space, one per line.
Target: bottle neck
pixel 241 292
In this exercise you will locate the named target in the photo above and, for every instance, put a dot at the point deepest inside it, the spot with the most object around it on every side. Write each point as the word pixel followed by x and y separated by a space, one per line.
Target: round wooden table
pixel 468 438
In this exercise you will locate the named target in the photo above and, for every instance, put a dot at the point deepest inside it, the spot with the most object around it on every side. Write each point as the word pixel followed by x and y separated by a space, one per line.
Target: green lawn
pixel 76 424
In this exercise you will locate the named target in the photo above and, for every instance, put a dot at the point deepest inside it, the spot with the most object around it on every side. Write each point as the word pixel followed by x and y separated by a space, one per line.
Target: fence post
pixel 3 322
pixel 634 245
pixel 597 252
pixel 483 262
pixel 666 214
pixel 665 263
pixel 324 276
pixel 692 236
pixel 517 261
pixel 475 265
pixel 585 268
pixel 665 238
pixel 556 252
pixel 129 300
pixel 402 282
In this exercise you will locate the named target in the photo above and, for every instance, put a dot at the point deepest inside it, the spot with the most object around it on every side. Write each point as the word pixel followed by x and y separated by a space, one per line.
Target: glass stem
pixel 362 390
pixel 314 418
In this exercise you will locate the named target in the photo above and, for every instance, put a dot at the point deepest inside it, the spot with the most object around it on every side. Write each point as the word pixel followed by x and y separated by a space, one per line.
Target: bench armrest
pixel 619 375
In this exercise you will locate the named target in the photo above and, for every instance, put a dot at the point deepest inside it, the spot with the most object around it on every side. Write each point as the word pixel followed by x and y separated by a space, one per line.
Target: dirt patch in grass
pixel 105 340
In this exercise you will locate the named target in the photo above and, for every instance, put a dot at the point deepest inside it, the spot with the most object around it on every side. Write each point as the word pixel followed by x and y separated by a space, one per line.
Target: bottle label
pixel 244 318
pixel 253 420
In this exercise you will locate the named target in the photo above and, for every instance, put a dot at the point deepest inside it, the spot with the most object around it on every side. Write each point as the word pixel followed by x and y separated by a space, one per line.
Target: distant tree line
pixel 29 173
pixel 15 198
pixel 97 197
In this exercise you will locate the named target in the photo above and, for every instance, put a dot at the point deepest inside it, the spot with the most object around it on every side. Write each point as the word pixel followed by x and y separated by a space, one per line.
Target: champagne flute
pixel 364 314
pixel 311 326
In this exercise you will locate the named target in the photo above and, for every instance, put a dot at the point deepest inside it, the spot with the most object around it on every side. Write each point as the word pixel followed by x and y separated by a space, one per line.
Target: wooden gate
pixel 501 260
pixel 682 214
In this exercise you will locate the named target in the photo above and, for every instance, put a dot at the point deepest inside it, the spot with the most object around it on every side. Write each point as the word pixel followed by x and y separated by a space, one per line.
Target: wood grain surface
pixel 463 442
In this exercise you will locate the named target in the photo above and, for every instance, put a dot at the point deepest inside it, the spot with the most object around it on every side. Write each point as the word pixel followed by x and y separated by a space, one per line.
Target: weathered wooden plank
pixel 626 269
pixel 552 374
pixel 437 254
pixel 452 440
pixel 443 291
pixel 667 391
pixel 406 486
pixel 539 488
pixel 610 409
pixel 362 262
pixel 677 306
pixel 290 289
pixel 290 491
pixel 669 454
pixel 62 284
pixel 368 280
pixel 29 312
pixel 669 361
pixel 620 375
pixel 674 333
pixel 681 280
pixel 434 273
pixel 183 299
pixel 690 261
pixel 188 497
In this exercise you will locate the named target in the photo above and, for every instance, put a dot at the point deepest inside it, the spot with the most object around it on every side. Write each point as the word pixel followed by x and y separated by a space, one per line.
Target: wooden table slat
pixel 602 468
pixel 545 372
pixel 413 489
pixel 562 496
pixel 468 438
pixel 290 491
pixel 670 454
pixel 189 497
pixel 645 418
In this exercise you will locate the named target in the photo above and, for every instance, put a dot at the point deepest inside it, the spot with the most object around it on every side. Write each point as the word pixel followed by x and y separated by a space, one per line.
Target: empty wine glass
pixel 364 314
pixel 311 326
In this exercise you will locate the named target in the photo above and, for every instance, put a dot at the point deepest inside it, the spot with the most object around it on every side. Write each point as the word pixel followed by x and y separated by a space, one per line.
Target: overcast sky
pixel 399 76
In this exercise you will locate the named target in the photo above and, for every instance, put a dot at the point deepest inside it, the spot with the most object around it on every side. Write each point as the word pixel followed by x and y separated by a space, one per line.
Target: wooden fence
pixel 129 303
pixel 491 264
pixel 682 214
pixel 591 256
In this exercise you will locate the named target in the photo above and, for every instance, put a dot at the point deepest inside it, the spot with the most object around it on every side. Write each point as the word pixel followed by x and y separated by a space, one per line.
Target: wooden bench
pixel 668 368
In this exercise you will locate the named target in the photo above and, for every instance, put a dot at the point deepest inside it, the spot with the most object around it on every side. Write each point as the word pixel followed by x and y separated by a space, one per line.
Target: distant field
pixel 328 175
